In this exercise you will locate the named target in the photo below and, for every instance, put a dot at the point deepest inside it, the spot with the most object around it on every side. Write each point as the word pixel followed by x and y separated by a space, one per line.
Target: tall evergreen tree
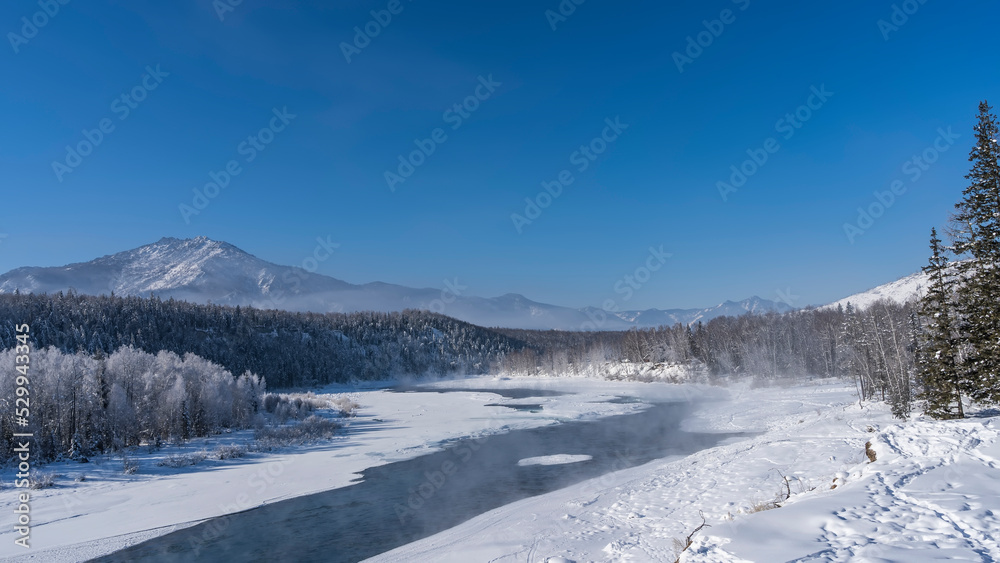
pixel 939 376
pixel 977 235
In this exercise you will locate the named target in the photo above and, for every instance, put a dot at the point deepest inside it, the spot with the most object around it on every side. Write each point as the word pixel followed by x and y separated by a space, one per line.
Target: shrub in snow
pixel 312 429
pixel 285 406
pixel 231 451
pixel 42 480
pixel 183 460
pixel 129 465
pixel 346 406
pixel 761 506
pixel 271 401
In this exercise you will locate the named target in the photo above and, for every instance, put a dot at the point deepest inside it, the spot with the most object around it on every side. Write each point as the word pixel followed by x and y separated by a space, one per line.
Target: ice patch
pixel 559 459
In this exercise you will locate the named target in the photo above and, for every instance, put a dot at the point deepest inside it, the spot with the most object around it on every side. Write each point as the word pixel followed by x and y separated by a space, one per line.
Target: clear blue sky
pixel 656 184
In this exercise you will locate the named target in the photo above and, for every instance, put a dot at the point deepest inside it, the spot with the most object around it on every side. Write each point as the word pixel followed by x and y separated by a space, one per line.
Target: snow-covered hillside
pixel 201 270
pixel 905 289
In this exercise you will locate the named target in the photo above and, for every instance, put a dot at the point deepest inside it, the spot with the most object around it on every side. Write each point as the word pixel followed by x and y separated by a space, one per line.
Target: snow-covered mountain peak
pixel 171 263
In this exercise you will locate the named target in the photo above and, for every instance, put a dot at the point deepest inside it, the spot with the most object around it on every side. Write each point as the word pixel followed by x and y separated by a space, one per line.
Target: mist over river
pixel 400 502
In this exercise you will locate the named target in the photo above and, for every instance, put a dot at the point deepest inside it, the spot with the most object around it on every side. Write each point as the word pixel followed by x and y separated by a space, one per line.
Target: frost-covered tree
pixel 71 419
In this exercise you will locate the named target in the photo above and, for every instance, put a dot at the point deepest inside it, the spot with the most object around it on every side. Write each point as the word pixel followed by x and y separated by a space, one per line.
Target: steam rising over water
pixel 402 502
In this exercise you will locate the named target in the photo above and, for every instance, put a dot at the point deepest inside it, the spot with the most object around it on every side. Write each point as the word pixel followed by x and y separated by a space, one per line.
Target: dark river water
pixel 404 501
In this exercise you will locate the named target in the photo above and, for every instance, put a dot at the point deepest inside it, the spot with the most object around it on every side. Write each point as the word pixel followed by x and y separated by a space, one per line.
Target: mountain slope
pixel 201 270
pixel 198 270
pixel 900 291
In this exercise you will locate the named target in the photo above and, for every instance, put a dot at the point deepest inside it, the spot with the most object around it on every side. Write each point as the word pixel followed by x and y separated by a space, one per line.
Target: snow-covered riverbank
pixel 933 493
pixel 77 520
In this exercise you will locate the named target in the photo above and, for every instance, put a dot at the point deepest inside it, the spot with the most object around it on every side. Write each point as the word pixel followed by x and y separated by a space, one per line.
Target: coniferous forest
pixel 286 349
pixel 112 372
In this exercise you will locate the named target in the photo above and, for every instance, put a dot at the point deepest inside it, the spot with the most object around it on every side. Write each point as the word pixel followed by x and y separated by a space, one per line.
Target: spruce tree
pixel 939 376
pixel 977 236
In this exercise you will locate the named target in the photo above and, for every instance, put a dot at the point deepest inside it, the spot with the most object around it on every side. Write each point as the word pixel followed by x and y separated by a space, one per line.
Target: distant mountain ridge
pixel 670 317
pixel 202 270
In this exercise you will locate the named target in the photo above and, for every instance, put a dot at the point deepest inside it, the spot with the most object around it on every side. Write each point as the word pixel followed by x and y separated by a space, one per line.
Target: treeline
pixel 874 347
pixel 81 405
pixel 286 349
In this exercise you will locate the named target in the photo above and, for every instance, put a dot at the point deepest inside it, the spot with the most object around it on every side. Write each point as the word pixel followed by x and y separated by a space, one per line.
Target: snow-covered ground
pixel 933 492
pixel 78 520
